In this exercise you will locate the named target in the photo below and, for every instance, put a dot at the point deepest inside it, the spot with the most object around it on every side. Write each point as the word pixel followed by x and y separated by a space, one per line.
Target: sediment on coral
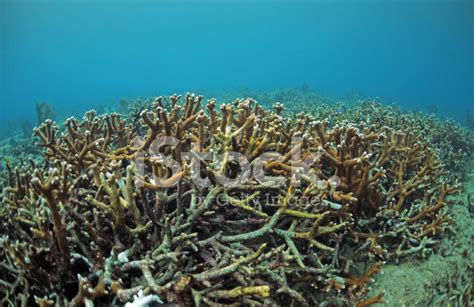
pixel 453 142
pixel 112 215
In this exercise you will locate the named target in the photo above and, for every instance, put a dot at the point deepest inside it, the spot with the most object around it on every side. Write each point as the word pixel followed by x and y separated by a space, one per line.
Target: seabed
pixel 91 216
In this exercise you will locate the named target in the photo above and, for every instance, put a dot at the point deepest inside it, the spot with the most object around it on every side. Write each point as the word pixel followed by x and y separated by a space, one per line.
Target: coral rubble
pixel 113 216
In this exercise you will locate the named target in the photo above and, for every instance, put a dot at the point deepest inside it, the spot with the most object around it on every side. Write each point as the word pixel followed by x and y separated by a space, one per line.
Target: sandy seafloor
pixel 441 276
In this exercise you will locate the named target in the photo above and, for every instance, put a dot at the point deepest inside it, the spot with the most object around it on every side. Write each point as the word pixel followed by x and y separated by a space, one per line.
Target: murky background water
pixel 81 54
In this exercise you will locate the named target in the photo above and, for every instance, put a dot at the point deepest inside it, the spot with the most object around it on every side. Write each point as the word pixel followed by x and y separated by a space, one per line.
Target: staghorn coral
pixel 110 219
pixel 453 143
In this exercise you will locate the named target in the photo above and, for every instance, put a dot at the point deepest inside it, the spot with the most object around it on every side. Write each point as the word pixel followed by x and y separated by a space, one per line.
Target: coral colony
pixel 200 204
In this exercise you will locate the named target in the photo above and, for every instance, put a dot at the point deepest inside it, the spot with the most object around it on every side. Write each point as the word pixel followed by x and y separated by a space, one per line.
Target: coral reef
pixel 18 152
pixel 114 216
pixel 444 278
pixel 453 143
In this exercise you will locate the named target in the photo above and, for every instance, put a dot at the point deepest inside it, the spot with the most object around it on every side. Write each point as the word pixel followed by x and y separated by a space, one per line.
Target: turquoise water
pixel 79 54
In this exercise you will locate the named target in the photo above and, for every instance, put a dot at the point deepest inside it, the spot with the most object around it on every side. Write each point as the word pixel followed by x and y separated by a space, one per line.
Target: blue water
pixel 78 54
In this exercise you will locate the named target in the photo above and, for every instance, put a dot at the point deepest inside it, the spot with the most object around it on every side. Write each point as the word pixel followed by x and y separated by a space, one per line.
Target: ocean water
pixel 79 54
pixel 400 200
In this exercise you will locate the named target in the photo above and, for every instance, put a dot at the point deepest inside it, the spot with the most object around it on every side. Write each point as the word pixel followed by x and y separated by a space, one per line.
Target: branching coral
pixel 453 143
pixel 243 206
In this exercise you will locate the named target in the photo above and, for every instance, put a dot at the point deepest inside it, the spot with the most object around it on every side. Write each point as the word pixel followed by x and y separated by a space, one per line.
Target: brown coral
pixel 189 222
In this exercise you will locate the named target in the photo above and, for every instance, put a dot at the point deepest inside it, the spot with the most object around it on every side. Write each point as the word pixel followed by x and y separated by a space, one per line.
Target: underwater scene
pixel 236 153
